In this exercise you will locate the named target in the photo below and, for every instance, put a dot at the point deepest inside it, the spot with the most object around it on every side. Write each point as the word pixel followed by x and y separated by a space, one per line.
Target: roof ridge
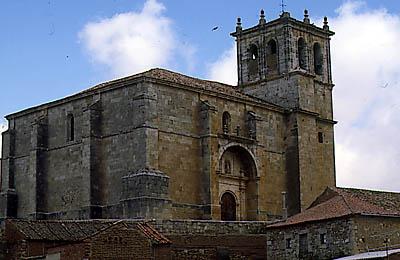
pixel 154 234
pixel 345 202
pixel 102 229
pixel 367 190
pixel 192 77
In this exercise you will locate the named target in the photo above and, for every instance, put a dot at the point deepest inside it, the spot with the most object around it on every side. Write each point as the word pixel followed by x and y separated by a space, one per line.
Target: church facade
pixel 164 145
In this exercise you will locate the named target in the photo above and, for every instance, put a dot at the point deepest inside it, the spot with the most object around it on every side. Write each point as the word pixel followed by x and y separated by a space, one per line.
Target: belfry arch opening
pixel 272 56
pixel 318 59
pixel 241 179
pixel 302 53
pixel 253 59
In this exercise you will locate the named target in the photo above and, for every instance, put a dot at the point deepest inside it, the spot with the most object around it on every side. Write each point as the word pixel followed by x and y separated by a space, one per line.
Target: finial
pixel 306 16
pixel 262 17
pixel 239 24
pixel 326 26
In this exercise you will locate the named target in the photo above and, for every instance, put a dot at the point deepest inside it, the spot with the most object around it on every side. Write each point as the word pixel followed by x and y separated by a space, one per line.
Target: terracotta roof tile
pixel 370 201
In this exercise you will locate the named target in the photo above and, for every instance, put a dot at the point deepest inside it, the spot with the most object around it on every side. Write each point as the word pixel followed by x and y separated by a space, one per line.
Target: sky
pixel 52 48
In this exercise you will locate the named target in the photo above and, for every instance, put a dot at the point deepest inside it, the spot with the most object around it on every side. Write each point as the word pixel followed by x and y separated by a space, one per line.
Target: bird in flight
pixel 215 28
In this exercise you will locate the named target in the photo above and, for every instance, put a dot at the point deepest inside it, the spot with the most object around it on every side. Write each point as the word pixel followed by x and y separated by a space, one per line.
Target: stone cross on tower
pixel 283 6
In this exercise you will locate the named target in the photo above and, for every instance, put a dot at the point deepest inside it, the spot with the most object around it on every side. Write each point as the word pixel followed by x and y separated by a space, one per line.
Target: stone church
pixel 164 145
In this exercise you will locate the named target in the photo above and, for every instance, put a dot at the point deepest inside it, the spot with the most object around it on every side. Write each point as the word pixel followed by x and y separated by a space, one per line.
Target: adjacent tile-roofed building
pixel 385 202
pixel 340 222
pixel 339 202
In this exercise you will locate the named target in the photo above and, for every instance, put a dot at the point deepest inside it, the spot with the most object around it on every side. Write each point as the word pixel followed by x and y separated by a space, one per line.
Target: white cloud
pixel 225 68
pixel 366 62
pixel 131 42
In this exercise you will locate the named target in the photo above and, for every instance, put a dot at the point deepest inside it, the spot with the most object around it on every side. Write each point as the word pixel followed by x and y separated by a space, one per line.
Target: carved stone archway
pixel 238 174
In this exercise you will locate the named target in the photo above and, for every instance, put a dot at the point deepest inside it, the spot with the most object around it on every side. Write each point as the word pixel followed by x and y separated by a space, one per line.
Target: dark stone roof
pixel 161 76
pixel 167 76
pixel 78 230
pixel 150 232
pixel 341 202
pixel 58 230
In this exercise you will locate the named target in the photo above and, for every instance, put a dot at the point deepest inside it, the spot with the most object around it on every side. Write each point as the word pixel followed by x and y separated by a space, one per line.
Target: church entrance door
pixel 228 207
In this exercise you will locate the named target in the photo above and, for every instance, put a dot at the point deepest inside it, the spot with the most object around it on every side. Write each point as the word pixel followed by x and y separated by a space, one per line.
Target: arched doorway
pixel 238 174
pixel 228 207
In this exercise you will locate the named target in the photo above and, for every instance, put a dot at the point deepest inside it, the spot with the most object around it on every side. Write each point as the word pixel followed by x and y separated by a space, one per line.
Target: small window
pixel 288 243
pixel 318 59
pixel 320 137
pixel 226 122
pixel 322 239
pixel 70 128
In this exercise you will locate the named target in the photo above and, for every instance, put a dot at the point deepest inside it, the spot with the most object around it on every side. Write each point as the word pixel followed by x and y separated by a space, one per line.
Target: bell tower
pixel 287 62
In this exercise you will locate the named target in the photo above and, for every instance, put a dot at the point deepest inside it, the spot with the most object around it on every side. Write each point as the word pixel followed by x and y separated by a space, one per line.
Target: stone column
pixel 207 112
pixel 292 165
pixel 91 158
pixel 37 166
pixel 151 126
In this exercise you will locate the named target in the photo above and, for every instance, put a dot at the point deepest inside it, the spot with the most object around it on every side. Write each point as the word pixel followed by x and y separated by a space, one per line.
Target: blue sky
pixel 52 48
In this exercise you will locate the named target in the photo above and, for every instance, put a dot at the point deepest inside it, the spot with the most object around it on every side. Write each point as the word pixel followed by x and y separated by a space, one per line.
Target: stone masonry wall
pixel 376 233
pixel 283 243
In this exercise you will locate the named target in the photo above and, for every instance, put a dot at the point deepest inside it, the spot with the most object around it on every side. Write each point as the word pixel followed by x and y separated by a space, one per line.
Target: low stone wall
pixel 209 227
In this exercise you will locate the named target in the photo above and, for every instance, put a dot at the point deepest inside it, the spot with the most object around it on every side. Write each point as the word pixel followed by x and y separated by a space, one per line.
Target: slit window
pixel 322 239
pixel 70 128
pixel 288 243
pixel 320 137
